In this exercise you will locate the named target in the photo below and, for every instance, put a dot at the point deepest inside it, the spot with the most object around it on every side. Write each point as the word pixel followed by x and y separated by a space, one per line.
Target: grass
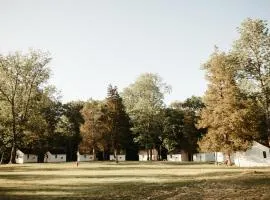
pixel 132 180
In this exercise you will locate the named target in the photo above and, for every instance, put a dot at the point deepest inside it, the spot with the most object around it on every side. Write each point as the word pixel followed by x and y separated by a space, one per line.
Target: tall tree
pixel 253 52
pixel 144 102
pixel 118 121
pixel 180 122
pixel 69 127
pixel 228 117
pixel 22 77
pixel 94 130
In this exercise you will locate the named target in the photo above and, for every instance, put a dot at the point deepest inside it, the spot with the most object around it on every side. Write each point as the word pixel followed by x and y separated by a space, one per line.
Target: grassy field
pixel 132 180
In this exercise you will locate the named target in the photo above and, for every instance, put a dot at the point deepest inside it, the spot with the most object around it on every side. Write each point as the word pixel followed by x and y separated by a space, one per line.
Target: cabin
pixel 257 156
pixel 204 157
pixel 119 157
pixel 55 156
pixel 220 157
pixel 143 155
pixel 174 157
pixel 178 155
pixel 85 157
pixel 26 157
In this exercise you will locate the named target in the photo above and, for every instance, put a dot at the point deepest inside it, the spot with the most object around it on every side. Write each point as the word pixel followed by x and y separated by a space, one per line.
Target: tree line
pixel 233 112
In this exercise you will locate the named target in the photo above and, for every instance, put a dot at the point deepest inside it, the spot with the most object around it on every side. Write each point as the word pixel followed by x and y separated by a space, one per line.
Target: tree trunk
pixel 14 130
pixel 2 157
pixel 151 153
pixel 12 154
pixel 115 155
pixel 228 159
pixel 94 154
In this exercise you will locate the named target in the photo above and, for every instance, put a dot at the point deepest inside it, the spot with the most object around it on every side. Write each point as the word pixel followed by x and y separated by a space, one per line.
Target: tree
pixel 94 130
pixel 252 50
pixel 118 121
pixel 22 79
pixel 69 127
pixel 229 118
pixel 180 128
pixel 173 128
pixel 144 102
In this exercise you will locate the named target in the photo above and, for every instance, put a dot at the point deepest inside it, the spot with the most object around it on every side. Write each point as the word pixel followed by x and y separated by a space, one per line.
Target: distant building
pixel 178 155
pixel 143 155
pixel 257 156
pixel 119 157
pixel 174 157
pixel 55 156
pixel 85 157
pixel 26 157
pixel 204 157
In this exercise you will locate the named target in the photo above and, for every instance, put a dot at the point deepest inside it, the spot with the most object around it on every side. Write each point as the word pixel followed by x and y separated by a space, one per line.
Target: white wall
pixel 174 157
pixel 204 157
pixel 119 157
pixel 25 158
pixel 86 157
pixel 254 157
pixel 143 157
pixel 54 157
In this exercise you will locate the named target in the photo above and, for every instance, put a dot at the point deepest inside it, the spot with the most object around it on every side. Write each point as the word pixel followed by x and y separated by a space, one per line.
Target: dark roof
pixel 27 151
pixel 57 151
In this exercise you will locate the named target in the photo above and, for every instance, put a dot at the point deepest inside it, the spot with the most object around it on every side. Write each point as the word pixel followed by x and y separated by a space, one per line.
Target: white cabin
pixel 143 155
pixel 119 157
pixel 25 158
pixel 204 157
pixel 50 158
pixel 257 156
pixel 221 157
pixel 174 157
pixel 85 157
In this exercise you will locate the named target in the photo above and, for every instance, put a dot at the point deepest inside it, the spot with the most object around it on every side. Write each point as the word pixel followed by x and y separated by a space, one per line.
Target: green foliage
pixel 118 119
pixel 22 82
pixel 144 103
pixel 180 130
pixel 252 50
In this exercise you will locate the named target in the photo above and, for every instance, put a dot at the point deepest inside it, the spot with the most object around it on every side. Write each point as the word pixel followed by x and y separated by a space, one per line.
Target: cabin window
pixel 264 154
pixel 84 156
pixel 171 155
pixel 17 156
pixel 55 155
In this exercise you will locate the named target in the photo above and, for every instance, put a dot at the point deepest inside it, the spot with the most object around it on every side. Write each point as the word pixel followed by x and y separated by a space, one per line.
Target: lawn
pixel 132 180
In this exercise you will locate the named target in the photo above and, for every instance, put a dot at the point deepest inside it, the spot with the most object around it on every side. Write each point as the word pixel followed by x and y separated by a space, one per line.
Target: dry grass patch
pixel 132 180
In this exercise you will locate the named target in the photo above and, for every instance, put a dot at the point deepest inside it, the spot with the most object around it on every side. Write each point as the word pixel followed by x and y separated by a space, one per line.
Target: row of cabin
pixel 257 155
pixel 53 157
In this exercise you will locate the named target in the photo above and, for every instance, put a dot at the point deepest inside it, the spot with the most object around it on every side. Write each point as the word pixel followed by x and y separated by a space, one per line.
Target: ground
pixel 132 180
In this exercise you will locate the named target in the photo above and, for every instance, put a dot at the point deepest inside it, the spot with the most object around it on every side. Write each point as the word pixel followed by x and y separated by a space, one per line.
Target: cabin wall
pixel 174 157
pixel 204 157
pixel 119 157
pixel 257 156
pixel 86 157
pixel 51 158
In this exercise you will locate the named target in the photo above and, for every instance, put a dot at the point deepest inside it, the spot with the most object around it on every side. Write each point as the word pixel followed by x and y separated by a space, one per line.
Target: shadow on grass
pixel 228 185
pixel 196 189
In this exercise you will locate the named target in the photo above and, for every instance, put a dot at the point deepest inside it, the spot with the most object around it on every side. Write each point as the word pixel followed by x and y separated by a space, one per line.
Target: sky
pixel 94 43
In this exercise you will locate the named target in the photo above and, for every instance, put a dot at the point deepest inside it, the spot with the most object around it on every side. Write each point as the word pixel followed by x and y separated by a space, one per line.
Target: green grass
pixel 132 180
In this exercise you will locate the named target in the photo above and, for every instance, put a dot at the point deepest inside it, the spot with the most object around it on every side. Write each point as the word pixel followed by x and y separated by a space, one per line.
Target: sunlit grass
pixel 132 180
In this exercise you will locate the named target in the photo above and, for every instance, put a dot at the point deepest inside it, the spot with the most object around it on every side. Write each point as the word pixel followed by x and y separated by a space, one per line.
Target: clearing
pixel 132 180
